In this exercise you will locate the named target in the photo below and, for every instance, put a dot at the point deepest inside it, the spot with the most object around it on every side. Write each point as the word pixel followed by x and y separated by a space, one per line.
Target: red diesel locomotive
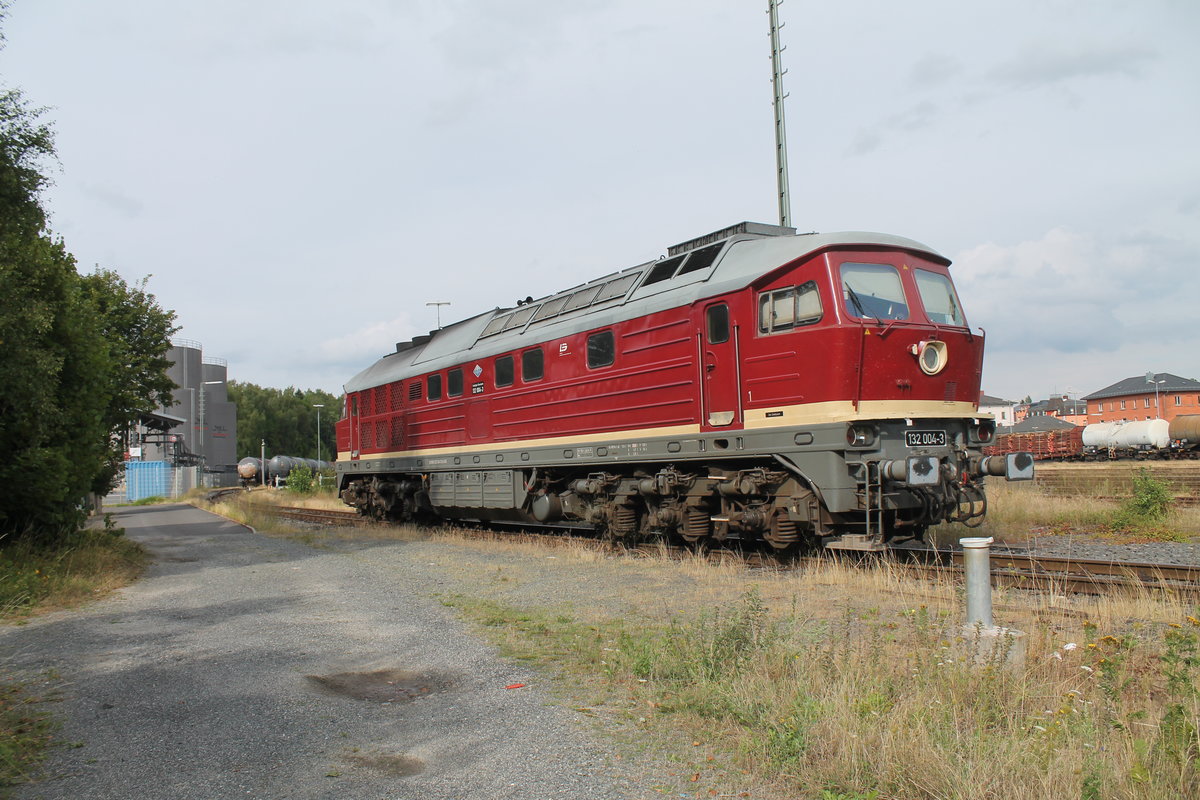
pixel 753 384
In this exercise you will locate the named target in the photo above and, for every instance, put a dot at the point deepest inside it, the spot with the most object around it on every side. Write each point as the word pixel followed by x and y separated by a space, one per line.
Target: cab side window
pixel 717 322
pixel 786 309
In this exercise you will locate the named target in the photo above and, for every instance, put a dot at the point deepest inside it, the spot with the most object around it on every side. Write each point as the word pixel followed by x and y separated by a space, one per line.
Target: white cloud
pixel 1050 63
pixel 365 345
pixel 1080 309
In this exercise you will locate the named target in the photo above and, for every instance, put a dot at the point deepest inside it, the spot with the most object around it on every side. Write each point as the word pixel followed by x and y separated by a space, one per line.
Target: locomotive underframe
pixel 712 486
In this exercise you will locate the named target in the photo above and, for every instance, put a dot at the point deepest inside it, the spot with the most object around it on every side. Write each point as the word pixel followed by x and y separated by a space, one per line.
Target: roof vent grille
pixel 752 228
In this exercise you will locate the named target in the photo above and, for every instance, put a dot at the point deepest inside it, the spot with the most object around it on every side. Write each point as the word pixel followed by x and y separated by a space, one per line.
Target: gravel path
pixel 251 666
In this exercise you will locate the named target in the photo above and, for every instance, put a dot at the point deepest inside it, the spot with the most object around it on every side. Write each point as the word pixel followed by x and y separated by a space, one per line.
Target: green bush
pixel 1150 503
pixel 301 481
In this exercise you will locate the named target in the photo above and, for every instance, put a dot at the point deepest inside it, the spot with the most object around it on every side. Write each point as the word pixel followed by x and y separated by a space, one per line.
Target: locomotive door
pixel 355 421
pixel 718 368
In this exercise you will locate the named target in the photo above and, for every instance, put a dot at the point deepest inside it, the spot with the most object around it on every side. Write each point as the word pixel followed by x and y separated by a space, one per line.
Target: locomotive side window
pixel 717 319
pixel 434 387
pixel 785 309
pixel 504 371
pixel 454 383
pixel 873 291
pixel 601 349
pixel 939 299
pixel 532 365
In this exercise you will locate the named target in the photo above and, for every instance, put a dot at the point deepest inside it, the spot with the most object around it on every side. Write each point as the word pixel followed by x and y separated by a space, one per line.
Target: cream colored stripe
pixel 756 419
pixel 558 441
pixel 843 411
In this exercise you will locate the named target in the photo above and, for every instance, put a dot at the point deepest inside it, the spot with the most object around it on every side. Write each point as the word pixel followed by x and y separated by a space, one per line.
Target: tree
pixel 137 334
pixel 79 357
pixel 52 363
pixel 286 419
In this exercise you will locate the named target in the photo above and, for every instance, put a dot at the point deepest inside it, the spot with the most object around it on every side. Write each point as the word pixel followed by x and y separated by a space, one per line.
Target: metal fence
pixel 158 479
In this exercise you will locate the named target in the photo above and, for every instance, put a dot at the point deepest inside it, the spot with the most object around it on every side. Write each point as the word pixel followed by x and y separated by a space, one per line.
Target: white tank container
pixel 1099 434
pixel 1139 434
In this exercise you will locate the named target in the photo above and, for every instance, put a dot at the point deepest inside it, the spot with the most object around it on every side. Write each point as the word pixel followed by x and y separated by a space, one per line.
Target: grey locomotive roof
pixel 1141 384
pixel 743 259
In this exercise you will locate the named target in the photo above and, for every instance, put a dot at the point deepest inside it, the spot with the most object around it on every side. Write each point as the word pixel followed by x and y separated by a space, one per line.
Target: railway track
pixel 319 515
pixel 1012 567
pixel 1116 480
pixel 1026 570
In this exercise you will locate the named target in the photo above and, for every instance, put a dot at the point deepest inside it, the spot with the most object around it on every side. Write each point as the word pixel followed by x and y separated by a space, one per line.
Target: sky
pixel 299 179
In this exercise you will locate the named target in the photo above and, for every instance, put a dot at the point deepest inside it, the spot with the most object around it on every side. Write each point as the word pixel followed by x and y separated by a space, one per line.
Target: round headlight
pixel 931 356
pixel 860 435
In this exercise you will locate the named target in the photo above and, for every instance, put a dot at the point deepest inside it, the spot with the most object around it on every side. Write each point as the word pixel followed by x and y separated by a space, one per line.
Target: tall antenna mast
pixel 777 73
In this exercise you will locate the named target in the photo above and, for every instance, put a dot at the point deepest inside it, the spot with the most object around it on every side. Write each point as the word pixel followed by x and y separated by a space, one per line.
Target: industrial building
pixel 194 441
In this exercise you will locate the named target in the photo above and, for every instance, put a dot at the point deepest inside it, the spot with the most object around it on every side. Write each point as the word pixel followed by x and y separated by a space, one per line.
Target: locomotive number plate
pixel 925 438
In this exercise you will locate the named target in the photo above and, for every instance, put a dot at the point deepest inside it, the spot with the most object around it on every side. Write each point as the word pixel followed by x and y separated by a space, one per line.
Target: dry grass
pixel 853 681
pixel 1017 511
pixel 73 570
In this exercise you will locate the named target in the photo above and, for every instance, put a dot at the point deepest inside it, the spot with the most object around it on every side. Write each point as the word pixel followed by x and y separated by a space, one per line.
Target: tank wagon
pixel 250 468
pixel 752 384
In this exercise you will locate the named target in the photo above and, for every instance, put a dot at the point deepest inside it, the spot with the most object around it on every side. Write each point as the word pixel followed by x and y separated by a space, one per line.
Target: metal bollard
pixel 978 571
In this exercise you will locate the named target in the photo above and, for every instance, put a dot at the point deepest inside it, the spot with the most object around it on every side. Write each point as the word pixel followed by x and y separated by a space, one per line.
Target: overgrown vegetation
pixel 1149 505
pixel 74 567
pixel 886 704
pixel 25 733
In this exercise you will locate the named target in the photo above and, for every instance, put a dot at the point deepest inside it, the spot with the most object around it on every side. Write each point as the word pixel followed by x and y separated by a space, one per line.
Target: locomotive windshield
pixel 873 291
pixel 941 303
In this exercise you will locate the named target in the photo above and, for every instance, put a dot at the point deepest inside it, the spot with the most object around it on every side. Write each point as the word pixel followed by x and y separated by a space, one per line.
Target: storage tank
pixel 1186 427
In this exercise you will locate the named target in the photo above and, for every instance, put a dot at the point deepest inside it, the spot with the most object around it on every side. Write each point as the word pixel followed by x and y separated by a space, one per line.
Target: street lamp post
pixel 1157 407
pixel 318 407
